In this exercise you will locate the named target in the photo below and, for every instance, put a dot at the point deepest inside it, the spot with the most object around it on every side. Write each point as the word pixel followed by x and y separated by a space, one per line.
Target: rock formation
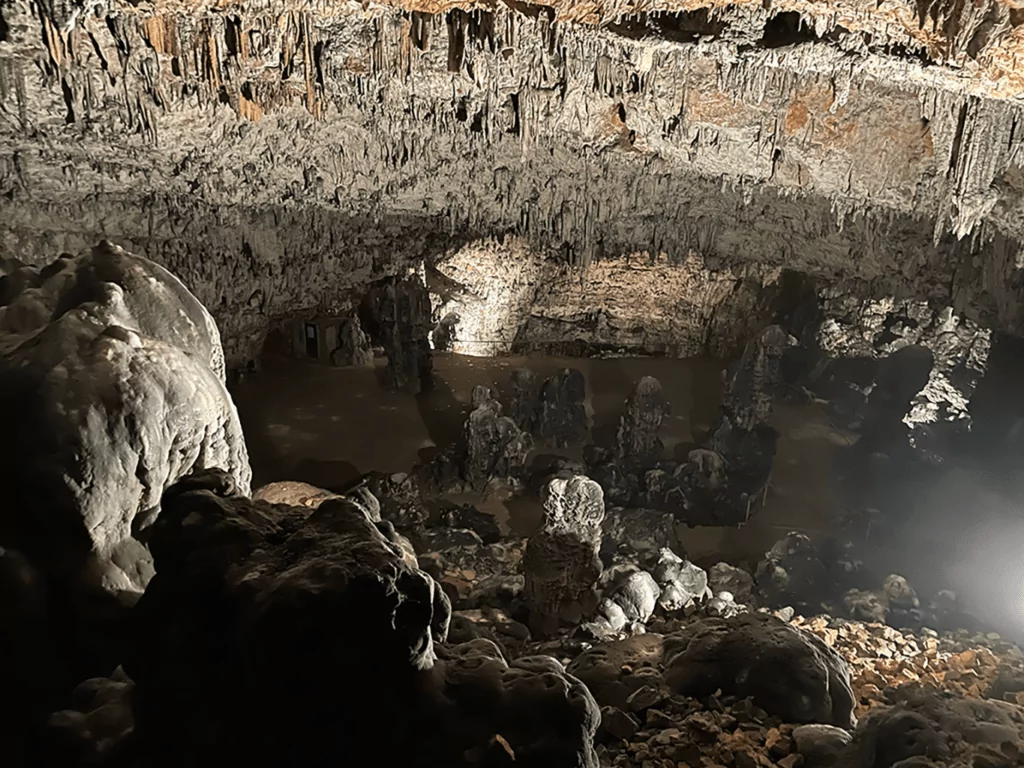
pixel 787 672
pixel 112 376
pixel 401 310
pixel 562 417
pixel 763 152
pixel 638 442
pixel 496 449
pixel 561 563
pixel 353 345
pixel 292 630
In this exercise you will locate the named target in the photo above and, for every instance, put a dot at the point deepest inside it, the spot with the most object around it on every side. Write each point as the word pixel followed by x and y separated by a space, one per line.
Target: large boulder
pixel 615 671
pixel 257 611
pixel 928 727
pixel 281 635
pixel 112 382
pixel 789 673
pixel 535 714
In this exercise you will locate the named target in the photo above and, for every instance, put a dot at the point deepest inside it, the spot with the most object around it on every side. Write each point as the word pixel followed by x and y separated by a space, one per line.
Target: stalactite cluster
pixel 278 154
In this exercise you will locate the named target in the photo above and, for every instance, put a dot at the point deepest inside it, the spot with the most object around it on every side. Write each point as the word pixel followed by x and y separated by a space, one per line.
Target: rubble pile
pixel 881 658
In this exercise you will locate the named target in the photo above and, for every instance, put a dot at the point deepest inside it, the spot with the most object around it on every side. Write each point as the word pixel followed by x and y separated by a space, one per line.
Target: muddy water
pixel 327 426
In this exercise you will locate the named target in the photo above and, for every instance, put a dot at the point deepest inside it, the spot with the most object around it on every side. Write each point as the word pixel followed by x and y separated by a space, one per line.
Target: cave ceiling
pixel 870 141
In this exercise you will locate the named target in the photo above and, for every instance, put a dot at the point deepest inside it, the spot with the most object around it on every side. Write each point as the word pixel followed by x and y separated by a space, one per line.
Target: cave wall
pixel 511 298
pixel 280 156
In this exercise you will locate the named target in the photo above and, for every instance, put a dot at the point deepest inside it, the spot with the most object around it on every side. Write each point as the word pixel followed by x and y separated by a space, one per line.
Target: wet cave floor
pixel 327 426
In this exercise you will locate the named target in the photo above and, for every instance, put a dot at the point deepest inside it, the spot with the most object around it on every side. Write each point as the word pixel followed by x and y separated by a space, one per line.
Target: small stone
pixel 791 761
pixel 619 724
pixel 820 744
pixel 646 697
pixel 667 736
pixel 658 719
pixel 744 759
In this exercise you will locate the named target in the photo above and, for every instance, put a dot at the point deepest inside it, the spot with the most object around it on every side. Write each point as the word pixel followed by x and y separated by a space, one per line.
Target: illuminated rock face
pixel 279 156
pixel 112 379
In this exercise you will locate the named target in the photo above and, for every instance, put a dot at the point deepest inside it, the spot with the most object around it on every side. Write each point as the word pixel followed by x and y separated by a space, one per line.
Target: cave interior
pixel 556 384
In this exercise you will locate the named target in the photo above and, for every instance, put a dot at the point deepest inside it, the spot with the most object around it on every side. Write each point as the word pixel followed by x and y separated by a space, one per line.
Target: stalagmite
pixel 561 562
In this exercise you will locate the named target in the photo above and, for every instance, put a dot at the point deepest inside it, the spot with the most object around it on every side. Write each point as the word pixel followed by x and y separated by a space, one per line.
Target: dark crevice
pixel 233 36
pixel 684 27
pixel 318 59
pixel 786 28
pixel 69 101
pixel 420 30
pixel 456 39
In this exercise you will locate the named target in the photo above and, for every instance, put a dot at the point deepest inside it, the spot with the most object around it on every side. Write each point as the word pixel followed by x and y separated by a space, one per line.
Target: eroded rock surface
pixel 638 441
pixel 788 672
pixel 295 628
pixel 562 562
pixel 112 376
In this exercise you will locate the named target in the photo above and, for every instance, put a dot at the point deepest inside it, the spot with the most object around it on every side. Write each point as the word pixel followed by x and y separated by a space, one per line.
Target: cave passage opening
pixel 494 308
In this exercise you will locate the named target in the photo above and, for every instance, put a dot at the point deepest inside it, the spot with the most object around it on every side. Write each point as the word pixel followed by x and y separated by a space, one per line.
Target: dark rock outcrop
pixel 524 399
pixel 496 449
pixel 401 499
pixel 638 532
pixel 788 673
pixel 615 671
pixel 533 713
pixel 401 309
pixel 562 564
pixel 277 635
pixel 728 578
pixel 925 726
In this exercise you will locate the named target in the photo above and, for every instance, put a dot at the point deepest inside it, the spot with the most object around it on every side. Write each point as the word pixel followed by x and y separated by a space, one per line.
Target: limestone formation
pixel 469 517
pixel 444 335
pixel 723 577
pixel 401 499
pixel 112 379
pixel 683 583
pixel 788 673
pixel 273 174
pixel 353 348
pixel 561 563
pixel 326 623
pixel 638 442
pixel 638 532
pixel 496 449
pixel 524 399
pixel 562 417
pixel 293 493
pixel 925 726
pixel 401 310
pixel 752 386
